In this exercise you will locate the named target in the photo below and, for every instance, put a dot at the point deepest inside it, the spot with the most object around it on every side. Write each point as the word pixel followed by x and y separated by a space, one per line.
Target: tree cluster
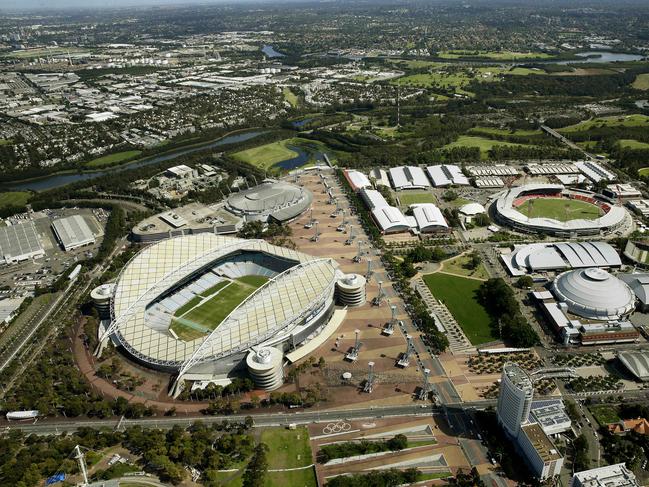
pixel 500 302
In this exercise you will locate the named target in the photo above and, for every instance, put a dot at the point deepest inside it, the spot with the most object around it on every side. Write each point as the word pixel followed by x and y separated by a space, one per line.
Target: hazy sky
pixel 54 4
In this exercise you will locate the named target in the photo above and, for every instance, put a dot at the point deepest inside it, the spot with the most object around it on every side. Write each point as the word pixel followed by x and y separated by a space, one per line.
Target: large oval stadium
pixel 555 210
pixel 196 305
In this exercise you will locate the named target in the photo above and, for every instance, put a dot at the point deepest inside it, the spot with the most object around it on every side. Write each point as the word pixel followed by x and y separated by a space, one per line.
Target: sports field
pixel 409 198
pixel 458 294
pixel 290 97
pixel 206 312
pixel 560 209
pixel 632 144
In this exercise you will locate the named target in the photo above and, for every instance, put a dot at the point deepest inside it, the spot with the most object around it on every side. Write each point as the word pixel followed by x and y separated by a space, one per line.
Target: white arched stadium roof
pixel 268 310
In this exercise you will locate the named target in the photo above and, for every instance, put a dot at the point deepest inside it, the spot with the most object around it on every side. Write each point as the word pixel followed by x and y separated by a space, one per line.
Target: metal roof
pixel 19 241
pixel 428 216
pixel 409 177
pixel 637 362
pixel 282 201
pixel 73 231
pixel 594 293
pixel 446 174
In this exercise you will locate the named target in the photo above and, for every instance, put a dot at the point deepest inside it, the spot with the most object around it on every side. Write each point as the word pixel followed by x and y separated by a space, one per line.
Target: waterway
pixel 58 180
pixel 270 52
pixel 600 57
pixel 302 158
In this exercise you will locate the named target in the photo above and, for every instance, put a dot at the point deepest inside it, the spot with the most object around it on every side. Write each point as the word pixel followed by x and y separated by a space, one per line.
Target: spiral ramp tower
pixel 265 367
pixel 350 290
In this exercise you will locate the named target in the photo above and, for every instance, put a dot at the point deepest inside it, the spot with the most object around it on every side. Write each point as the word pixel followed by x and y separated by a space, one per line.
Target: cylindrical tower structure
pixel 265 368
pixel 351 290
pixel 101 296
pixel 515 398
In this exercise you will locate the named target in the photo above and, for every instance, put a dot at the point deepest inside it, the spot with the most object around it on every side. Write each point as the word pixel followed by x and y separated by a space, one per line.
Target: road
pixel 57 425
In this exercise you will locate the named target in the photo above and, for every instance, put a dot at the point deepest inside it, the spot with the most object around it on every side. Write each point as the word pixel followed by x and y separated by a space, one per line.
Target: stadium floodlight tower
pixel 352 356
pixel 404 360
pixel 337 211
pixel 78 454
pixel 359 256
pixel 332 199
pixel 369 383
pixel 316 233
pixel 343 225
pixel 388 329
pixel 425 387
pixel 311 221
pixel 379 297
pixel 351 237
pixel 370 272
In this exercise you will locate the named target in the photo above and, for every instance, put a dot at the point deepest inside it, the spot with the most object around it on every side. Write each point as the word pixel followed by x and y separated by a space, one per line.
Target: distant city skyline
pixel 61 4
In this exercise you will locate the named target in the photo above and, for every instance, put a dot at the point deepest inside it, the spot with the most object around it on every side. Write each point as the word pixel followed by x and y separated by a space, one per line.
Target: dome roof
pixel 594 293
pixel 471 209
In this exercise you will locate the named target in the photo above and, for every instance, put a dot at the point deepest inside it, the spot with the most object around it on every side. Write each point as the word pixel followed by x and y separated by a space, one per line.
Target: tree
pixel 474 261
pixel 255 472
pixel 449 195
pixel 525 282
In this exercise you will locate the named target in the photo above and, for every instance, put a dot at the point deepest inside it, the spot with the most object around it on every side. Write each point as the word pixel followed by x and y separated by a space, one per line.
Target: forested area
pixel 508 322
pixel 26 460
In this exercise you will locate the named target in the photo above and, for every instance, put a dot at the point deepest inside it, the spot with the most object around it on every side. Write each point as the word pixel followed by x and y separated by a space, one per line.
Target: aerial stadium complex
pixel 196 306
pixel 555 210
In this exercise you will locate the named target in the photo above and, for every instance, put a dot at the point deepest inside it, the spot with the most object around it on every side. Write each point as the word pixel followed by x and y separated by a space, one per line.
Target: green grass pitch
pixel 207 312
pixel 458 294
pixel 560 209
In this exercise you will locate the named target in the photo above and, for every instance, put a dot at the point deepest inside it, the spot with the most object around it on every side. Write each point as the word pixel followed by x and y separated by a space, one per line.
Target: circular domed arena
pixel 270 201
pixel 594 294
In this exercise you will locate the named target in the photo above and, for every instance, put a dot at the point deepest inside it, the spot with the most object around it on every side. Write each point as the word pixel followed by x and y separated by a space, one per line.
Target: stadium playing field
pixel 561 209
pixel 205 312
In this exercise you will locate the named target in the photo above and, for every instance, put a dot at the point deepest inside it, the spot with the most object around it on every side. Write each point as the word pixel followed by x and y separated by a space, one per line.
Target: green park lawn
pixel 289 448
pixel 495 55
pixel 265 156
pixel 115 158
pixel 482 143
pixel 641 82
pixel 5 142
pixel 290 97
pixel 408 198
pixel 635 120
pixel 458 265
pixel 604 414
pixel 560 209
pixel 202 315
pixel 14 198
pixel 643 171
pixel 632 144
pixel 503 132
pixel 458 294
pixel 298 478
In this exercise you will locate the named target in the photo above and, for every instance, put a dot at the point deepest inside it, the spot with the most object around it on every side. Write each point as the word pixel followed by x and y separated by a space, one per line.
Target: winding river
pixel 61 179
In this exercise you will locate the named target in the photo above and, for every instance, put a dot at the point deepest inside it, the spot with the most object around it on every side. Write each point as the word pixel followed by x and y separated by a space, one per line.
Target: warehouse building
pixel 429 218
pixel 408 177
pixel 357 180
pixel 551 169
pixel 388 218
pixel 559 256
pixel 595 172
pixel 447 175
pixel 73 232
pixel 19 242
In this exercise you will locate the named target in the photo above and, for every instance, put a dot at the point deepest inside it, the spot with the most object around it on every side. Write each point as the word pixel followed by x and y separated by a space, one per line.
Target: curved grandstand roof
pixel 505 208
pixel 594 293
pixel 271 309
pixel 637 362
pixel 277 199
